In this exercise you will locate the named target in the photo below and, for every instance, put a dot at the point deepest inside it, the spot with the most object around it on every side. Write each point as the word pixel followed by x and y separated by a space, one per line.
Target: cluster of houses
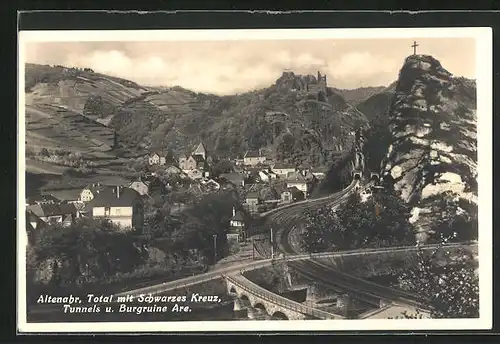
pixel 121 205
pixel 262 184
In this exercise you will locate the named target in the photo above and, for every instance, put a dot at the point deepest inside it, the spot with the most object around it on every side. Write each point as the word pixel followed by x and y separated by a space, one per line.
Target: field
pixel 40 167
pixel 56 127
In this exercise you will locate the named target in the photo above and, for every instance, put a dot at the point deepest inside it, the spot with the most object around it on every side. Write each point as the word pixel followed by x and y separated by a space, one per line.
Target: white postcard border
pixel 483 37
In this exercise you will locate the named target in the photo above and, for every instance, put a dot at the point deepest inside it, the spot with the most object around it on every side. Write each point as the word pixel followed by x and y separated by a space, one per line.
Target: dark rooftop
pixel 238 216
pixel 108 197
pixel 43 210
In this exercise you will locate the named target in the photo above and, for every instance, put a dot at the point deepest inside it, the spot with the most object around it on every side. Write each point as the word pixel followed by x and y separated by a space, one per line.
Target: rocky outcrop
pixel 432 156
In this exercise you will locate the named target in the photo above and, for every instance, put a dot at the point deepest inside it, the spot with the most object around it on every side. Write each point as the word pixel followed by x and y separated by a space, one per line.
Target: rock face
pixel 432 156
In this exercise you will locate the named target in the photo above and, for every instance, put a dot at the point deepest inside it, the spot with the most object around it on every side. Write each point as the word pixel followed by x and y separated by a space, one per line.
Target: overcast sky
pixel 227 67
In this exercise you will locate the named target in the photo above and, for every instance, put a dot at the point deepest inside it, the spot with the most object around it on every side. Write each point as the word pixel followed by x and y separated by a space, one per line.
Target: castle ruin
pixel 320 88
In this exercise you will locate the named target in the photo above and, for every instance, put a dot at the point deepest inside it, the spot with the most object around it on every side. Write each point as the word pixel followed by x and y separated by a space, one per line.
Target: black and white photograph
pixel 212 180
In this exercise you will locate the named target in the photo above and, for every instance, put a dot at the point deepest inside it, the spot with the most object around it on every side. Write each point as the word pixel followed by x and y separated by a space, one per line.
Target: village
pixel 261 185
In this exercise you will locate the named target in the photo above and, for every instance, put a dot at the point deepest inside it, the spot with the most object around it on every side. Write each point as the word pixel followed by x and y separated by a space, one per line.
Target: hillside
pixel 61 107
pixel 432 154
pixel 80 110
pixel 282 120
pixel 358 95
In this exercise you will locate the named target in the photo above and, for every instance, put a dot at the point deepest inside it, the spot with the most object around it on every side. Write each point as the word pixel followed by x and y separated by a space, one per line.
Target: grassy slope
pixel 55 100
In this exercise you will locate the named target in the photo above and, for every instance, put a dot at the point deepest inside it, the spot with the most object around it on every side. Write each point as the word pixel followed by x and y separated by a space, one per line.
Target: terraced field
pixel 56 127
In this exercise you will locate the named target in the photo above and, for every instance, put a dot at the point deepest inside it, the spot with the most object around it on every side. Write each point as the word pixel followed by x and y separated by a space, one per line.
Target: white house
pixel 211 183
pixel 87 194
pixel 296 179
pixel 157 159
pixel 253 158
pixel 122 205
pixel 282 170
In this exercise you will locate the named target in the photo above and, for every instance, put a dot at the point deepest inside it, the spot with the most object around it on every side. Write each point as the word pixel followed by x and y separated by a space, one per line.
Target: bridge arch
pixel 260 306
pixel 244 297
pixel 232 290
pixel 279 316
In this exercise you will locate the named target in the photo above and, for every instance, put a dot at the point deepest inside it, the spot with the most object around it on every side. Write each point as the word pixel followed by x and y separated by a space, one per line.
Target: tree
pixel 44 152
pixel 323 231
pixel 380 221
pixel 87 250
pixel 452 290
pixel 457 219
pixel 223 166
pixel 95 105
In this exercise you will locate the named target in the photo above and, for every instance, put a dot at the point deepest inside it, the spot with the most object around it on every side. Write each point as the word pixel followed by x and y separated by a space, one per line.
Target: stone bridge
pixel 248 294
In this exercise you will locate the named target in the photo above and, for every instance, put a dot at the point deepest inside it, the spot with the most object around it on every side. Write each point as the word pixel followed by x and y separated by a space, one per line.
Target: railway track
pixel 359 288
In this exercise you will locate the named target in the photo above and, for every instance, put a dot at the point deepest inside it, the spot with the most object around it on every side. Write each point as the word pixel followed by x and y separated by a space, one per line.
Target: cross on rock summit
pixel 414 46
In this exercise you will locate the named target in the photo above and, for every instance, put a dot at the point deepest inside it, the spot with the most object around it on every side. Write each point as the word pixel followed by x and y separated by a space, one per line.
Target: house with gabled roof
pixel 283 169
pixel 140 186
pixel 157 159
pixel 306 172
pixel 253 158
pixel 252 201
pixel 210 184
pixel 121 205
pixel 51 213
pixel 298 180
pixel 201 163
pixel 237 230
pixel 296 194
pixel 200 151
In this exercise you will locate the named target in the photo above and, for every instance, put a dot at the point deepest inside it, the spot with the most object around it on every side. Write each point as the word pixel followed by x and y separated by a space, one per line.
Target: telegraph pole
pixel 215 248
pixel 253 248
pixel 272 244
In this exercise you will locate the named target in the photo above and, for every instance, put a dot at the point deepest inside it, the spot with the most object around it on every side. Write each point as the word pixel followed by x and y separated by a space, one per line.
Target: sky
pixel 229 67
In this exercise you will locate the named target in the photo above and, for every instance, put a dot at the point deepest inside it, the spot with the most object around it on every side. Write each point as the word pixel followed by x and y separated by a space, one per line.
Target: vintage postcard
pixel 212 180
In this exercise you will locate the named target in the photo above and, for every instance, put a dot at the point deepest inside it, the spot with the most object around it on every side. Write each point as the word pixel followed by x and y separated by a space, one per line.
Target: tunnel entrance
pixel 356 175
pixel 374 177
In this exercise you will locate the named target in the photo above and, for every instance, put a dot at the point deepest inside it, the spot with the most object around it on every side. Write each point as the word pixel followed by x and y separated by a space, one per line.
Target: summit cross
pixel 414 46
